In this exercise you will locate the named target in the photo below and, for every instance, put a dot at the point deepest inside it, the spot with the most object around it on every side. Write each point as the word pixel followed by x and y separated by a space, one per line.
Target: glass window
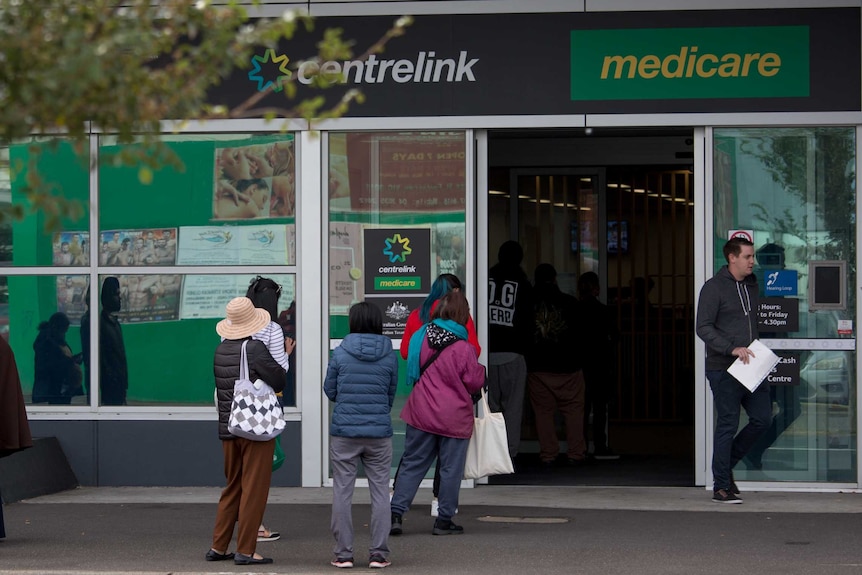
pixel 397 204
pixel 42 237
pixel 794 190
pixel 231 201
pixel 157 348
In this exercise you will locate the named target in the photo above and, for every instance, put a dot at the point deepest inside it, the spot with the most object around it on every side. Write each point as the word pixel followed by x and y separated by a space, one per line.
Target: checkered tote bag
pixel 255 412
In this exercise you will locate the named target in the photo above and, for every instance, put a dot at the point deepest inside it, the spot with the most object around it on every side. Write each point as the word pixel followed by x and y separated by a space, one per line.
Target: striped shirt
pixel 273 337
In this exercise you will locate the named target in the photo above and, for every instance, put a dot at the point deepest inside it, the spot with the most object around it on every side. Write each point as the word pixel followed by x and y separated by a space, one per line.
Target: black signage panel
pixel 778 314
pixel 786 371
pixel 397 261
pixel 774 60
pixel 395 310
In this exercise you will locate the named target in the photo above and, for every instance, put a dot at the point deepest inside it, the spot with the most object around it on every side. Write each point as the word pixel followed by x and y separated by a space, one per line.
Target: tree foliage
pixel 124 67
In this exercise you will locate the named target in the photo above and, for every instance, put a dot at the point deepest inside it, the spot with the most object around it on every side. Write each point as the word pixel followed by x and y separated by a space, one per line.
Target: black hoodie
pixel 726 317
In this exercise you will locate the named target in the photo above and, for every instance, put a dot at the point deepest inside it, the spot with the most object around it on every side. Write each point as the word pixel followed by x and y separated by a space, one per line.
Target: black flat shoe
pixel 240 559
pixel 213 556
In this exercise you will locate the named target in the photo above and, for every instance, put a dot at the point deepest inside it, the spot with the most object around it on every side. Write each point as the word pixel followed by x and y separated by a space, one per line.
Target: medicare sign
pixel 686 63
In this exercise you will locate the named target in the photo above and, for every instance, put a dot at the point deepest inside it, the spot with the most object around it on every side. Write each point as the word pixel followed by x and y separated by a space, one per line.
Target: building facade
pixel 626 138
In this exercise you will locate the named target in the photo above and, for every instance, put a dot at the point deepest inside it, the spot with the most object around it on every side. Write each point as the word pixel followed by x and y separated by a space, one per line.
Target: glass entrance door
pixel 793 190
pixel 557 220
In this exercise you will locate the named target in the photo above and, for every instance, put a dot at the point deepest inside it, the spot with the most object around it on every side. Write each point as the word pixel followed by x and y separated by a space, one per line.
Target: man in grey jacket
pixel 727 323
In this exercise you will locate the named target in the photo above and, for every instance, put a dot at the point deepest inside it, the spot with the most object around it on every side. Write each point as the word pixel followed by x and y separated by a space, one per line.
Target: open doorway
pixel 618 203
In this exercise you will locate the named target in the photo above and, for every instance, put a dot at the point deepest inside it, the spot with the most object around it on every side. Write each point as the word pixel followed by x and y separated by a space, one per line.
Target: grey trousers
pixel 376 456
pixel 507 379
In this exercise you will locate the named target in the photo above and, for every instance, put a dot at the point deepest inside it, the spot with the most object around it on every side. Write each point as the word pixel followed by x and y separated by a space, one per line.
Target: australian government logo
pixel 397 311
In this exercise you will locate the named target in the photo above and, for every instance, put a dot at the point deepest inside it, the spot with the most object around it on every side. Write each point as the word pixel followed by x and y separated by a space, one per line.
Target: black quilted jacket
pixel 226 371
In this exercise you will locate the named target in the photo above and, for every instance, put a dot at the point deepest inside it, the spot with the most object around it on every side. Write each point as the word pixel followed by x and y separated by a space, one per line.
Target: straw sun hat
pixel 243 319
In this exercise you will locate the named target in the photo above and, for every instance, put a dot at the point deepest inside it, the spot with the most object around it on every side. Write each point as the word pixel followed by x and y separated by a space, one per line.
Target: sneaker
pixel 724 496
pixel 268 535
pixel 342 563
pixel 733 488
pixel 378 562
pixel 396 528
pixel 606 453
pixel 435 507
pixel 443 527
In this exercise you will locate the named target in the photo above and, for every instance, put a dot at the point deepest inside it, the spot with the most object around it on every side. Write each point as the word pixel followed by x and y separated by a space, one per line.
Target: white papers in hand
pixel 751 374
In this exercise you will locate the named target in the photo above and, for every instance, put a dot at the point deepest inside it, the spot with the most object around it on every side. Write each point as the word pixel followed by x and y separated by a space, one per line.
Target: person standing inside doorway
pixel 510 330
pixel 555 377
pixel 727 323
pixel 599 360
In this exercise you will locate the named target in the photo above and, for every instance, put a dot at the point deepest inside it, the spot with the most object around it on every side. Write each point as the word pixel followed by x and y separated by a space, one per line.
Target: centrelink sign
pixel 425 67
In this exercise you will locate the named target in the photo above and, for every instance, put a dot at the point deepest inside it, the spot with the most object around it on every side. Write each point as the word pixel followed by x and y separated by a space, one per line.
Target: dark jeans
pixel 596 401
pixel 435 485
pixel 728 445
pixel 420 449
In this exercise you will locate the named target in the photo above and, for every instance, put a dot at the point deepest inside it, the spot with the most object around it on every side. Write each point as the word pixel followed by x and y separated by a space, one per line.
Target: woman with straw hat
pixel 247 463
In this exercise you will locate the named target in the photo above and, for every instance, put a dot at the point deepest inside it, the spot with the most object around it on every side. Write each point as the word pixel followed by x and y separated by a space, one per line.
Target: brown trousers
pixel 248 470
pixel 564 392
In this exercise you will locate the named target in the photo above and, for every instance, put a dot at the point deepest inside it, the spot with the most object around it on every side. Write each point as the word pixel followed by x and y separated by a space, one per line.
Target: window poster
pixel 205 296
pixel 345 266
pixel 449 247
pixel 149 298
pixel 145 247
pixel 392 172
pixel 237 245
pixel 71 249
pixel 395 311
pixel 255 181
pixel 72 296
pixel 398 273
pixel 397 261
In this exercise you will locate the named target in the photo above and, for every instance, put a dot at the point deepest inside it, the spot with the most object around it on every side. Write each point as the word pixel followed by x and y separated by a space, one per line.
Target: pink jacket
pixel 440 402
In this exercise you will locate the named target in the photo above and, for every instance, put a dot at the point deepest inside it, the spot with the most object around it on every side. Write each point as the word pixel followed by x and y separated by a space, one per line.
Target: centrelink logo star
pixel 397 248
pixel 256 72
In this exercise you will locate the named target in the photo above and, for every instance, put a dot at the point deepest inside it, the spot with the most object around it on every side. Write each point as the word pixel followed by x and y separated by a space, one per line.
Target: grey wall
pixel 155 453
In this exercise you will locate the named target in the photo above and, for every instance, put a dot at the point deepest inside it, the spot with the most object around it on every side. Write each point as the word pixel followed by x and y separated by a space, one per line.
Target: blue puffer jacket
pixel 361 380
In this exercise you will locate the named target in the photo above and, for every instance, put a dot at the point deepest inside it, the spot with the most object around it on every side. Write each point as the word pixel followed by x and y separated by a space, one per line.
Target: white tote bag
pixel 488 451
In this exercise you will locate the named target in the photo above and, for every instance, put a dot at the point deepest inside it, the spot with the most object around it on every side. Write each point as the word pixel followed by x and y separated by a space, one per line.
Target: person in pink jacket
pixel 439 410
pixel 418 318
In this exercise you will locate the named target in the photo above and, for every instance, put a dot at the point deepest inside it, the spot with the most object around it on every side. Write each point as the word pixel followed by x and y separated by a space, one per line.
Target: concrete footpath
pixel 508 529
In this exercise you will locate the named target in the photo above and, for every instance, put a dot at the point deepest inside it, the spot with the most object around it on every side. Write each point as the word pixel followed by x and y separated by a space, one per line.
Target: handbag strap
pixel 484 401
pixel 434 356
pixel 243 363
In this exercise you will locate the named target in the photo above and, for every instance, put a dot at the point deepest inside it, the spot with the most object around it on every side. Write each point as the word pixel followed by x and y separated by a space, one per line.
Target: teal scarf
pixel 416 344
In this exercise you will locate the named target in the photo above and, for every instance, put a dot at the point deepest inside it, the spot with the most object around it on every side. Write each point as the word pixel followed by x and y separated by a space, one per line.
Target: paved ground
pixel 509 529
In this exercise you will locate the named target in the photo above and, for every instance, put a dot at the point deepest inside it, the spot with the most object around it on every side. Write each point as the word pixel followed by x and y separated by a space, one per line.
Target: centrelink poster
pixel 397 261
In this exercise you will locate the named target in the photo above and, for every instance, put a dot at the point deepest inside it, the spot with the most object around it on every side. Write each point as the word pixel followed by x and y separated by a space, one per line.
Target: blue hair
pixel 441 286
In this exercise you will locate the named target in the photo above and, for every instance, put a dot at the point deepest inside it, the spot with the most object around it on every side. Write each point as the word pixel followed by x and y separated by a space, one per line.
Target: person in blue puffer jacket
pixel 361 379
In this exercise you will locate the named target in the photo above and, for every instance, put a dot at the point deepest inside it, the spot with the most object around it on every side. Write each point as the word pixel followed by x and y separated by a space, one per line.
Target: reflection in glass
pixel 232 202
pixel 58 376
pixel 144 357
pixel 28 241
pixel 795 188
pixel 412 184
